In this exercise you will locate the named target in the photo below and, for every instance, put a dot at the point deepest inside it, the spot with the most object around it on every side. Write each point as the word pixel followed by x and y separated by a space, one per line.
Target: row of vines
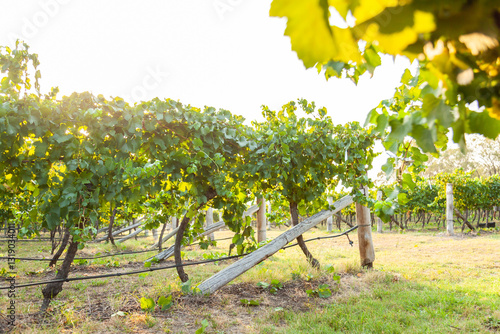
pixel 476 200
pixel 84 162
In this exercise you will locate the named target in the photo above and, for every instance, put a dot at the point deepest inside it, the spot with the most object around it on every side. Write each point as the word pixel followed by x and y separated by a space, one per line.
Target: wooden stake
pixel 366 251
pixel 329 221
pixel 261 220
pixel 134 234
pixel 129 228
pixel 380 223
pixel 209 218
pixel 269 212
pixel 449 208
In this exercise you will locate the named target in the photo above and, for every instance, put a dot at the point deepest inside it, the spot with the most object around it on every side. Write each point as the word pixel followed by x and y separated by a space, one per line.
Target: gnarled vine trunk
pixel 177 248
pixel 210 194
pixel 53 240
pixel 53 289
pixel 110 228
pixel 61 249
pixel 300 240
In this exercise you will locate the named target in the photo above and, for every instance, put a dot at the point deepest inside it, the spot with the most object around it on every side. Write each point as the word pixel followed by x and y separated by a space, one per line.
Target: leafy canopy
pixel 456 43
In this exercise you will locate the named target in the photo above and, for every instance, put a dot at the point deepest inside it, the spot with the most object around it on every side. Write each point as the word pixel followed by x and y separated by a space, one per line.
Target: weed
pixel 165 303
pixel 187 289
pixel 273 287
pixel 213 256
pixel 112 264
pixel 323 291
pixel 147 304
pixel 81 262
pixel 250 302
pixel 202 329
pixel 99 282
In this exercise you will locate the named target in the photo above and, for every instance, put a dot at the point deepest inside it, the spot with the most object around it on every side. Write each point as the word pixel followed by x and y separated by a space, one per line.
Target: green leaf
pixel 388 167
pixel 371 118
pixel 197 143
pixel 62 139
pixel 408 181
pixel 324 291
pixel 147 304
pixel 333 69
pixel 204 325
pixel 372 58
pixel 399 129
pixel 406 77
pixel 263 285
pixel 312 37
pixel 403 198
pixel 41 149
pixel 329 268
pixel 481 122
pixel 434 108
pixel 250 302
pixel 165 303
pixel 382 121
pixel 425 138
pixel 186 287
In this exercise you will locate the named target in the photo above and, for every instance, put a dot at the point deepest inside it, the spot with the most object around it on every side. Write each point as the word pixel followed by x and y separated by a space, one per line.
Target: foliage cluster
pixel 429 195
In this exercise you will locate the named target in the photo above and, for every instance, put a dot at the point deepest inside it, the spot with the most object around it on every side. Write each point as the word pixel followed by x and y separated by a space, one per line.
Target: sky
pixel 223 53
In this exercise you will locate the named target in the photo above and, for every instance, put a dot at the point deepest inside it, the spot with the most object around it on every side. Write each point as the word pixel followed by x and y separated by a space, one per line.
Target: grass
pixel 423 282
pixel 394 307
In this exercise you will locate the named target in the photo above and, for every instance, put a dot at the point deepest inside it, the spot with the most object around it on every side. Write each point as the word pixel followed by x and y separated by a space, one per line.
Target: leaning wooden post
pixel 449 208
pixel 366 251
pixel 237 268
pixel 329 221
pixel 261 220
pixel 380 223
pixel 209 218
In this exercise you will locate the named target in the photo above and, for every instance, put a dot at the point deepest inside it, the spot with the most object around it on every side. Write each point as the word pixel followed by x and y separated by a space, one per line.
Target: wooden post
pixel 380 223
pixel 269 212
pixel 129 228
pixel 329 221
pixel 366 251
pixel 130 236
pixel 449 208
pixel 174 222
pixel 261 220
pixel 209 218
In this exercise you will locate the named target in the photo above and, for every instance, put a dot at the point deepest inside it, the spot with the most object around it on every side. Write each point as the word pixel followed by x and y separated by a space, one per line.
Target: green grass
pixel 402 307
